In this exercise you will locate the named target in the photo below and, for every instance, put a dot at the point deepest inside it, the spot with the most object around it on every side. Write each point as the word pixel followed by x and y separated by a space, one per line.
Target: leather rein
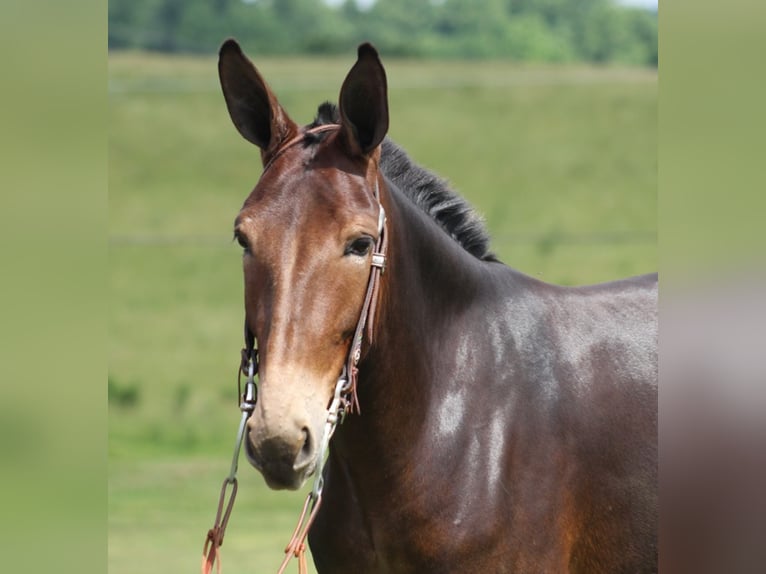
pixel 344 399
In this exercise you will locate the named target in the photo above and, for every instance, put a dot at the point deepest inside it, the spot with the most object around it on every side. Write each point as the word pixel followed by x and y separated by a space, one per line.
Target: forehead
pixel 302 190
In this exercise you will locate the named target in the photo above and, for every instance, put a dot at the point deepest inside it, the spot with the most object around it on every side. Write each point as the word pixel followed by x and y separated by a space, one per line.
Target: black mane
pixel 428 191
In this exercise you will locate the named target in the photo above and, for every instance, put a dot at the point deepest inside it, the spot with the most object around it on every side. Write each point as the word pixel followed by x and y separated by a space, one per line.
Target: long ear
pixel 253 107
pixel 364 103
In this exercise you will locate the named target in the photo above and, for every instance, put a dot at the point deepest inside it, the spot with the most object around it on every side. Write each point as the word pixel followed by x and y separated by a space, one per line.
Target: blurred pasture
pixel 560 161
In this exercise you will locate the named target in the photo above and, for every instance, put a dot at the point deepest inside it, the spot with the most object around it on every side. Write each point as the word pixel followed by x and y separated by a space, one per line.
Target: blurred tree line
pixel 525 30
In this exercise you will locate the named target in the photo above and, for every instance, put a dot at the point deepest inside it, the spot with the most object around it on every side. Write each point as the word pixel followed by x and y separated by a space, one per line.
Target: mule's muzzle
pixel 285 459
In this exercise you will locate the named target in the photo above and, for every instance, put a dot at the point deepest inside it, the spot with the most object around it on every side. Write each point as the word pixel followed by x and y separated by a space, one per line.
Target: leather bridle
pixel 369 307
pixel 344 401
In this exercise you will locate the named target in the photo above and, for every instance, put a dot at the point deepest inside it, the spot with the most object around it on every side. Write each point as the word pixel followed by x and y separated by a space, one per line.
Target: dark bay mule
pixel 505 424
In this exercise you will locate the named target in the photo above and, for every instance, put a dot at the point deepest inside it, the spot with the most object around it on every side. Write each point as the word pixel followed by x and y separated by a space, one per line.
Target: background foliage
pixel 595 31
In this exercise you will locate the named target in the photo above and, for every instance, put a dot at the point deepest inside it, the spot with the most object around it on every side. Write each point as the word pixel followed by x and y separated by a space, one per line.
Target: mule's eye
pixel 242 241
pixel 360 246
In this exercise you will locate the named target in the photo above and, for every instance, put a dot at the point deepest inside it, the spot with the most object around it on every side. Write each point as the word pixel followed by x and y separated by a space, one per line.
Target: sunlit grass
pixel 161 509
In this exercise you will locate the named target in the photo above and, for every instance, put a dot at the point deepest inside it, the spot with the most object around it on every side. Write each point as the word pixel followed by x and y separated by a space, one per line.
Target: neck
pixel 402 437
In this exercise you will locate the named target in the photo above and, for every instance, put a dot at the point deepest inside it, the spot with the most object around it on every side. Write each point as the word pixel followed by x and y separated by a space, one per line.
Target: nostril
pixel 306 453
pixel 308 448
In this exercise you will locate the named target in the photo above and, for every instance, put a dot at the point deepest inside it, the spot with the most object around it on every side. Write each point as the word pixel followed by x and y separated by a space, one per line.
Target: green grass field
pixel 561 162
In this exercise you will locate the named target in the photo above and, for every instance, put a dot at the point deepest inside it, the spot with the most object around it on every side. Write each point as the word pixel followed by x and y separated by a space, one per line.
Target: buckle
pixel 379 260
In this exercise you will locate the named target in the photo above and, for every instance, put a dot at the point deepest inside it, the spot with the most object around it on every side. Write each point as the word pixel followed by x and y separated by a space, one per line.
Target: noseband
pixel 345 399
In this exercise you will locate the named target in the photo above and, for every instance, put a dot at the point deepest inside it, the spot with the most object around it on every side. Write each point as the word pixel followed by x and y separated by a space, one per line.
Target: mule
pixel 503 424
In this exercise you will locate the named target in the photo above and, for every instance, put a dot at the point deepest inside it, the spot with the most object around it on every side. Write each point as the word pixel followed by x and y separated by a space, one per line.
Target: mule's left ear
pixel 364 103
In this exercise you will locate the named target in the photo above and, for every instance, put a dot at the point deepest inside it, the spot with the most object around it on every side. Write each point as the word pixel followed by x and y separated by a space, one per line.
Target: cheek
pixel 343 298
pixel 257 300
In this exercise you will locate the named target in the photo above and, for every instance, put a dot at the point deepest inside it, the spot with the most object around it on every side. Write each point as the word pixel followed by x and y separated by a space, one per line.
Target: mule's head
pixel 308 230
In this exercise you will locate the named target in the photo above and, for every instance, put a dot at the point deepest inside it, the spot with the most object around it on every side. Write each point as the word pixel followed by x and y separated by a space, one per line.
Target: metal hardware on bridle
pixel 214 539
pixel 344 399
pixel 248 362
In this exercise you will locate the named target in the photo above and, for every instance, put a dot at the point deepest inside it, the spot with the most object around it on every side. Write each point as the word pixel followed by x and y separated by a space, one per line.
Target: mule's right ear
pixel 363 103
pixel 253 107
